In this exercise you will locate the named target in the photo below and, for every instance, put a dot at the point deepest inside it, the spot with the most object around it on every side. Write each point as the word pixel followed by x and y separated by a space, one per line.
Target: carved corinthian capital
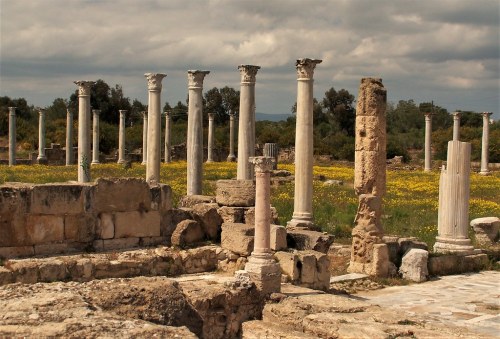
pixel 154 80
pixel 262 164
pixel 305 67
pixel 248 73
pixel 84 87
pixel 195 78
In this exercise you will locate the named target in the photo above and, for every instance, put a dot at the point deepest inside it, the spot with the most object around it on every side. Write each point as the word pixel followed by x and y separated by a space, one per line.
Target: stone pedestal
pixel 144 137
pixel 154 127
pixel 453 213
pixel 168 137
pixel 95 135
pixel 302 204
pixel 271 150
pixel 69 137
pixel 456 126
pixel 246 127
pixel 12 136
pixel 485 143
pixel 121 137
pixel 42 158
pixel 194 143
pixel 428 146
pixel 211 136
pixel 84 129
pixel 231 157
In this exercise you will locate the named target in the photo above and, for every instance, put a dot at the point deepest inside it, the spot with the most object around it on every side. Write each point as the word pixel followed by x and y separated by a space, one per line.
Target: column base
pixel 208 161
pixel 455 246
pixel 264 272
pixel 231 158
pixel 301 221
pixel 95 162
pixel 427 169
pixel 120 161
pixel 485 172
pixel 143 163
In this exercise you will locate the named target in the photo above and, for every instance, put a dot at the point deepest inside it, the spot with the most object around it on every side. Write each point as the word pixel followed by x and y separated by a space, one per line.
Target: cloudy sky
pixel 447 51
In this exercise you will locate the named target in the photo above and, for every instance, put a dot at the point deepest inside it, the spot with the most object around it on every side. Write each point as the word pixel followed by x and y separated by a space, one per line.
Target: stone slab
pixel 137 224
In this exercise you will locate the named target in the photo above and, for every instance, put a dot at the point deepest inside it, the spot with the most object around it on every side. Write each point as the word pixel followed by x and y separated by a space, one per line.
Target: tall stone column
pixel 302 204
pixel 271 150
pixel 95 136
pixel 121 137
pixel 144 137
pixel 41 137
pixel 210 147
pixel 485 143
pixel 263 270
pixel 154 127
pixel 231 157
pixel 168 138
pixel 246 127
pixel 428 145
pixel 84 129
pixel 195 132
pixel 12 136
pixel 453 212
pixel 456 125
pixel 69 137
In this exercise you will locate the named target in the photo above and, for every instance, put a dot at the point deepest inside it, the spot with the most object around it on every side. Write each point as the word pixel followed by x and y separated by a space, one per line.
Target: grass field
pixel 410 205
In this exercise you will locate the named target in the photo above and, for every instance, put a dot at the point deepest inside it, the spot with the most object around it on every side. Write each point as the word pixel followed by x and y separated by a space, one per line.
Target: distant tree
pixel 57 110
pixel 339 108
pixel 230 100
pixel 179 112
pixel 213 104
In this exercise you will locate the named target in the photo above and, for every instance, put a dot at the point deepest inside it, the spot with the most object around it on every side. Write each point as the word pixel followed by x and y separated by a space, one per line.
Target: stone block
pixel 52 270
pixel 26 272
pixel 43 229
pixel 118 244
pixel 238 238
pixel 232 214
pixel 414 265
pixel 210 221
pixel 187 232
pixel 121 194
pixel 486 230
pixel 59 198
pixel 154 241
pixel 456 264
pixel 161 197
pixel 16 252
pixel 303 239
pixel 14 200
pixel 191 200
pixel 322 281
pixel 137 224
pixel 237 193
pixel 278 238
pixel 105 226
pixel 373 137
pixel 80 228
pixel 50 249
pixel 289 264
pixel 307 266
pixel 250 216
pixel 265 274
pixel 393 248
pixel 370 176
pixel 6 276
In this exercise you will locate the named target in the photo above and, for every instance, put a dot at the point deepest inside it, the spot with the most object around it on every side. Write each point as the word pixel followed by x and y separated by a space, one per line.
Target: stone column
pixel 41 137
pixel 231 157
pixel 485 143
pixel 84 129
pixel 453 212
pixel 210 148
pixel 195 132
pixel 456 125
pixel 263 270
pixel 302 205
pixel 168 137
pixel 246 127
pixel 154 127
pixel 95 136
pixel 121 137
pixel 12 136
pixel 69 137
pixel 271 150
pixel 428 147
pixel 144 137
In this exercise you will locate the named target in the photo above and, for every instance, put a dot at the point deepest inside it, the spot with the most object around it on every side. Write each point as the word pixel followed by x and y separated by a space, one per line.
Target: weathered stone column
pixel 456 125
pixel 154 127
pixel 121 137
pixel 231 157
pixel 84 130
pixel 195 132
pixel 369 254
pixel 264 271
pixel 12 136
pixel 453 212
pixel 428 145
pixel 210 146
pixel 144 137
pixel 271 150
pixel 302 203
pixel 246 127
pixel 69 137
pixel 168 138
pixel 485 143
pixel 95 136
pixel 41 137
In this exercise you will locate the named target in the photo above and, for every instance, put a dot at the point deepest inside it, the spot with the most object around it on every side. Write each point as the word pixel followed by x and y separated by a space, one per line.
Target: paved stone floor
pixel 469 300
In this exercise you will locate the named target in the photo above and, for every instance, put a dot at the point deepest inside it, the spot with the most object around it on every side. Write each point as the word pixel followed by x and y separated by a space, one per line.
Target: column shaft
pixel 485 144
pixel 210 148
pixel 69 137
pixel 95 136
pixel 121 138
pixel 144 137
pixel 12 136
pixel 428 147
pixel 456 126
pixel 84 130
pixel 168 136
pixel 41 136
pixel 231 157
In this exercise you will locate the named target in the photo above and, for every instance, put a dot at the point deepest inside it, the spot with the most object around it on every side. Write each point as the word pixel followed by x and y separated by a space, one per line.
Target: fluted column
pixel 428 145
pixel 195 132
pixel 168 137
pixel 121 137
pixel 210 148
pixel 12 136
pixel 144 137
pixel 84 129
pixel 246 127
pixel 154 127
pixel 69 137
pixel 302 212
pixel 231 157
pixel 41 136
pixel 456 126
pixel 271 150
pixel 485 143
pixel 95 136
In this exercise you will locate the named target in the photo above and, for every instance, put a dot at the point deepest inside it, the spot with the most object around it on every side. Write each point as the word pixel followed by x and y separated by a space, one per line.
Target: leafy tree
pixel 179 112
pixel 213 104
pixel 339 109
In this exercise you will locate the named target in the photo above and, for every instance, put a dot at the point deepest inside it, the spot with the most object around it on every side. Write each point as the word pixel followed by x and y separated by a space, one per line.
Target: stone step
pixel 260 329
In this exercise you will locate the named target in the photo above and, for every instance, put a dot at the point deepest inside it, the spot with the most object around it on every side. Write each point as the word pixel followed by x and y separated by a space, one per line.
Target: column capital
pixel 144 114
pixel 428 114
pixel 41 112
pixel 195 78
pixel 486 114
pixel 122 112
pixel 211 116
pixel 232 114
pixel 12 110
pixel 84 87
pixel 262 164
pixel 248 73
pixel 167 114
pixel 69 111
pixel 456 115
pixel 154 80
pixel 96 111
pixel 305 68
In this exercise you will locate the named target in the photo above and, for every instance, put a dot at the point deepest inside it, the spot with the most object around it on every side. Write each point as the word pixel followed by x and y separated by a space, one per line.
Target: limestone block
pixel 265 275
pixel 187 232
pixel 137 224
pixel 16 252
pixel 210 221
pixel 171 218
pixel 322 281
pixel 393 248
pixel 456 264
pixel 250 216
pixel 51 249
pixel 303 239
pixel 307 259
pixel 52 270
pixel 6 276
pixel 238 193
pixel 45 228
pixel 380 265
pixel 372 137
pixel 486 229
pixel 278 238
pixel 238 238
pixel 14 200
pixel 59 198
pixel 369 173
pixel 191 200
pixel 372 97
pixel 289 264
pixel 118 244
pixel 105 226
pixel 154 241
pixel 414 265
pixel 79 228
pixel 232 214
pixel 121 194
pixel 26 272
pixel 161 197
